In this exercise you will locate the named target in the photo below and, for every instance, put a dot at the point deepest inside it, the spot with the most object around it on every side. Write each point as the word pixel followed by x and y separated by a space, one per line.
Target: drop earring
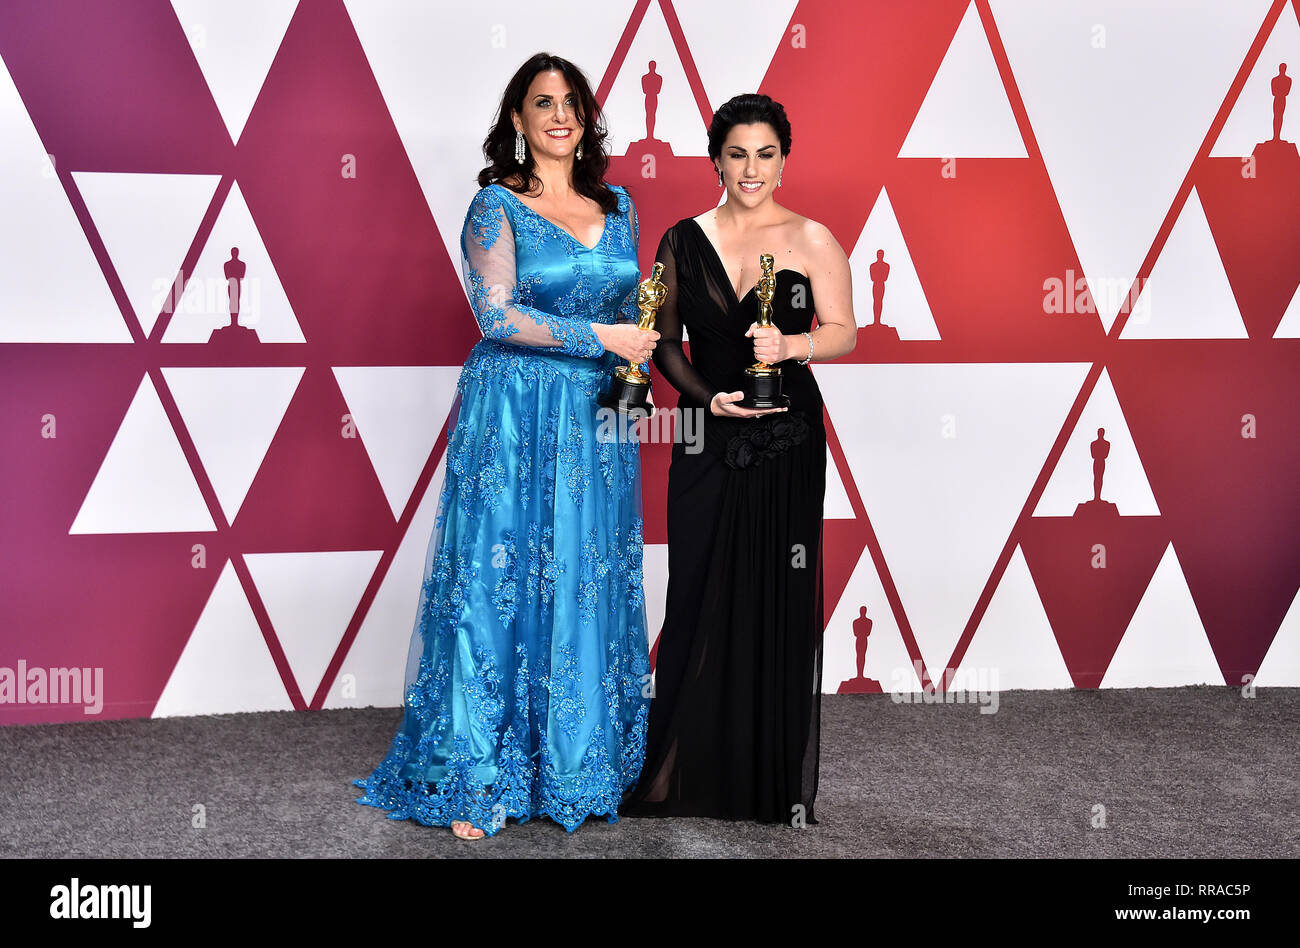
pixel 778 179
pixel 577 152
pixel 520 153
pixel 721 183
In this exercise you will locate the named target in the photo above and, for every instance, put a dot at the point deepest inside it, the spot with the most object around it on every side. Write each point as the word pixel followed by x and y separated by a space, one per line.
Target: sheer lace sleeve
pixel 668 355
pixel 487 245
pixel 627 310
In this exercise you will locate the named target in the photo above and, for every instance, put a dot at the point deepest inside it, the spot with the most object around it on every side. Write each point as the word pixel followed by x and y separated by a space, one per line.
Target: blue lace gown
pixel 525 687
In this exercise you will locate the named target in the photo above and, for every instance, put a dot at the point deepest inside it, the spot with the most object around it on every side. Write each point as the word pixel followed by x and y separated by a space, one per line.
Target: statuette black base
pixel 763 391
pixel 627 396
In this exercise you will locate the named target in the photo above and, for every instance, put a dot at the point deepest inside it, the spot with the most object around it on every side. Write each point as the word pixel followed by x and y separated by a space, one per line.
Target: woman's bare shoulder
pixel 813 237
pixel 802 228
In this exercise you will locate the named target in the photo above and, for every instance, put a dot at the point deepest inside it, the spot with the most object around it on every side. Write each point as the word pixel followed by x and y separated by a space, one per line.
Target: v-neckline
pixel 717 258
pixel 592 249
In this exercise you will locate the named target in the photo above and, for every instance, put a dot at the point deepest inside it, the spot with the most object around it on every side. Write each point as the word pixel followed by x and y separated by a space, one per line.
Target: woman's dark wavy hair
pixel 499 146
pixel 748 109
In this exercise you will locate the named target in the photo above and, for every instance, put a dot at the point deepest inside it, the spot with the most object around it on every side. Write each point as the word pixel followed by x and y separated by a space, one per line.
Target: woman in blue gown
pixel 526 689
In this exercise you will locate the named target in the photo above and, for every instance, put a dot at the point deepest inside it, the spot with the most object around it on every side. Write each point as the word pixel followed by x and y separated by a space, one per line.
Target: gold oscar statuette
pixel 629 387
pixel 762 382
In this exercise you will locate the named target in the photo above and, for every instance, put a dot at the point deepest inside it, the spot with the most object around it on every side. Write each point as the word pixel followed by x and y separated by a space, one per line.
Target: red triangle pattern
pixel 980 243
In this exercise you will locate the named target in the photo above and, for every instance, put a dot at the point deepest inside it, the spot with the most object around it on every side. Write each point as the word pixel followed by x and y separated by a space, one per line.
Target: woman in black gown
pixel 733 730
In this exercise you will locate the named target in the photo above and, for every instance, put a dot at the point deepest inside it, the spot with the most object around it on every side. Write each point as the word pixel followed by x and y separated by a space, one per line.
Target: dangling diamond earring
pixel 721 183
pixel 577 152
pixel 520 153
pixel 778 179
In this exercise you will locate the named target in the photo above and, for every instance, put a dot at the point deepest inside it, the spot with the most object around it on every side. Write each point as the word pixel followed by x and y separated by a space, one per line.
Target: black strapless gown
pixel 734 723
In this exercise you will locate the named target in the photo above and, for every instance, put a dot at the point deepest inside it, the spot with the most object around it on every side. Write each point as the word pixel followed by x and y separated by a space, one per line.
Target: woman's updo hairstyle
pixel 748 109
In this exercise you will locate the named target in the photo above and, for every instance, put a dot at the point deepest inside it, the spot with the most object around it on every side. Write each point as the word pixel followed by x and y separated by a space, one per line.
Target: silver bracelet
pixel 810 350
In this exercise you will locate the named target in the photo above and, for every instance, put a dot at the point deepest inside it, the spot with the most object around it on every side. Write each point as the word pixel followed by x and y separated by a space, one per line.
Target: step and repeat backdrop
pixel 1064 454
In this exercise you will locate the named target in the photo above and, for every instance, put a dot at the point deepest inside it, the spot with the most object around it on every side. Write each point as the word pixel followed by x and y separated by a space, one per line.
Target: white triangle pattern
pixel 1165 644
pixel 903 305
pixel 943 457
pixel 966 112
pixel 144 484
pixel 1014 646
pixel 654 580
pixel 1124 481
pixel 399 412
pixel 888 660
pixel 1281 665
pixel 1188 295
pixel 371 674
pixel 147 223
pixel 1120 123
pixel 263 305
pixel 1289 327
pixel 54 289
pixel 141 457
pixel 753 28
pixel 235 42
pixel 225 666
pixel 1251 119
pixel 395 35
pixel 311 597
pixel 232 414
pixel 677 116
pixel 836 504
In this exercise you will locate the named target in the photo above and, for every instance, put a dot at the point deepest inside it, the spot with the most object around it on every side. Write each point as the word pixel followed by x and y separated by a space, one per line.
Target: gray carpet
pixel 1188 772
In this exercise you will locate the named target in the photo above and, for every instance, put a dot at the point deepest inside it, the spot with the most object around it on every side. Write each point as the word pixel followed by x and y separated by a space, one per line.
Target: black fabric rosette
pixel 754 441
